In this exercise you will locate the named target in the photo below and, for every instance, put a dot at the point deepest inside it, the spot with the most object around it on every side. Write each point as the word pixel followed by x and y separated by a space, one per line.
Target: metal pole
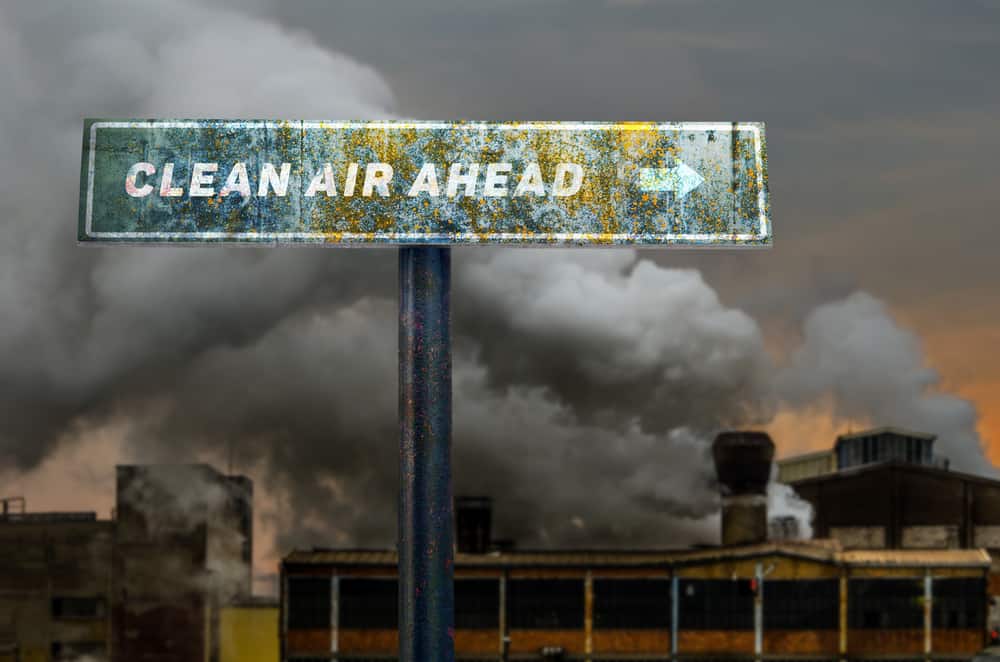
pixel 426 592
pixel 758 613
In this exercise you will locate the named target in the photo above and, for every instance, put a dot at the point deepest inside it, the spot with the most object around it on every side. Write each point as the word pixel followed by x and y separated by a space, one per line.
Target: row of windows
pixel 717 604
pixel 898 603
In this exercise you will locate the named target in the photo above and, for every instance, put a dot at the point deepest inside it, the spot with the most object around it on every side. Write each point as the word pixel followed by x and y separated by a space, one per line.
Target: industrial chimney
pixel 472 524
pixel 743 465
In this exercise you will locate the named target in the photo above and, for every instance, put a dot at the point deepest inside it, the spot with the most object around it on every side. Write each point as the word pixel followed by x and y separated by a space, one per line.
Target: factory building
pixel 748 599
pixel 888 490
pixel 147 585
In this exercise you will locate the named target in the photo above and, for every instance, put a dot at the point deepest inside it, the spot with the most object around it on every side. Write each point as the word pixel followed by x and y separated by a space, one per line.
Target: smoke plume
pixel 588 384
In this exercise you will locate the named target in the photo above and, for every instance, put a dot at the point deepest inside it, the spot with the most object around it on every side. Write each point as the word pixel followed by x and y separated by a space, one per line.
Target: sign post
pixel 424 186
pixel 426 600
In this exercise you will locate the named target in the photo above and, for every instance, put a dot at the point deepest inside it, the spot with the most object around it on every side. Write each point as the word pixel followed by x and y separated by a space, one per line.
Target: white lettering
pixel 426 182
pixel 166 180
pixel 237 181
pixel 270 178
pixel 146 169
pixel 323 181
pixel 495 185
pixel 377 176
pixel 559 187
pixel 200 178
pixel 352 178
pixel 531 181
pixel 468 180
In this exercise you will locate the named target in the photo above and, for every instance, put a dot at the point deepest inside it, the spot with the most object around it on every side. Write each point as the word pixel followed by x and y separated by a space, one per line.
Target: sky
pixel 588 383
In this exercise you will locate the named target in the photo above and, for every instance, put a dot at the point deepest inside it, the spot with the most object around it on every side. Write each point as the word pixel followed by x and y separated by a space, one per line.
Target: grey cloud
pixel 578 373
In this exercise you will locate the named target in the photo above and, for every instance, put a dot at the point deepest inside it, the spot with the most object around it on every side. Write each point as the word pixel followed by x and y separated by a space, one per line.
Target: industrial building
pixel 888 490
pixel 147 585
pixel 748 599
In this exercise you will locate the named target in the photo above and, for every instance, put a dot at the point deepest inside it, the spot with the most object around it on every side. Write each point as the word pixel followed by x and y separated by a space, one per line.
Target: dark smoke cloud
pixel 587 383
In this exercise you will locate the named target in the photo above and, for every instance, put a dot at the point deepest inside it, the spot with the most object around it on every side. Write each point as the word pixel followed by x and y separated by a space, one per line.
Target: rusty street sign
pixel 405 182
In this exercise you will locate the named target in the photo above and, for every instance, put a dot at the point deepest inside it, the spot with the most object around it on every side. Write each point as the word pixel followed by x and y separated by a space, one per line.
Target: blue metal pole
pixel 426 592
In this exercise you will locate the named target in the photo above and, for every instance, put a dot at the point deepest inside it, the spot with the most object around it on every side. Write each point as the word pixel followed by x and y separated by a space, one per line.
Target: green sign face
pixel 402 182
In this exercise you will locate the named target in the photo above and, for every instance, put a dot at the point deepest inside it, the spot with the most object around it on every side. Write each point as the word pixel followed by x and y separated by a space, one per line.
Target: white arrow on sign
pixel 680 179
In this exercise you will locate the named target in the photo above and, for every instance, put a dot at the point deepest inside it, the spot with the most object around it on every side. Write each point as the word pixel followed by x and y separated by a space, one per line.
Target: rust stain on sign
pixel 404 182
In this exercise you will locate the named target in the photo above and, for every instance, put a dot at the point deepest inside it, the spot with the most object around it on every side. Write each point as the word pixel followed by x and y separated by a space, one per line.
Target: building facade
pixel 749 599
pixel 147 585
pixel 55 586
pixel 773 600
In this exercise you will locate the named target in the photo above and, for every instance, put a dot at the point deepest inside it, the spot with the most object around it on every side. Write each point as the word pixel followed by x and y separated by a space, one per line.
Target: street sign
pixel 411 183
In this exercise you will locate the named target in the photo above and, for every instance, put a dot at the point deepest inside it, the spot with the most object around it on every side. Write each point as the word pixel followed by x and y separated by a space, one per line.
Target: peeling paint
pixel 164 181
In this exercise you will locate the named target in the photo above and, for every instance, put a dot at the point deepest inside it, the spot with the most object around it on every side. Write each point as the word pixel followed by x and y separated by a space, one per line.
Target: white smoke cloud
pixel 875 370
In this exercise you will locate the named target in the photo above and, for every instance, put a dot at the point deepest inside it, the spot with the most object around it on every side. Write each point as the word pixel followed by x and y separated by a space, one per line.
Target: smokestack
pixel 743 465
pixel 472 524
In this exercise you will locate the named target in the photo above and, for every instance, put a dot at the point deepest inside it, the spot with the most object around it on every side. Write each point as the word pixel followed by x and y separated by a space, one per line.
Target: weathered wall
pixel 41 561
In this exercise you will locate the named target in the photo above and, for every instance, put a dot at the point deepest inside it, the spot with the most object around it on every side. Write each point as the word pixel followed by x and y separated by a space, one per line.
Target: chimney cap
pixel 743 461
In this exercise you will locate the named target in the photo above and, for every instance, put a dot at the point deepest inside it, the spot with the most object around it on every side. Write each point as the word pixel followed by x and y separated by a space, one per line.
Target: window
pixel 716 604
pixel 959 603
pixel 801 604
pixel 308 602
pixel 369 603
pixel 76 650
pixel 477 603
pixel 545 604
pixel 67 609
pixel 885 603
pixel 631 604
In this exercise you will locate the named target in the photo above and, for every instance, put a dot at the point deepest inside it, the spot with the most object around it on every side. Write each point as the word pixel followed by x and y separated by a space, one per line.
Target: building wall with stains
pixel 181 553
pixel 55 583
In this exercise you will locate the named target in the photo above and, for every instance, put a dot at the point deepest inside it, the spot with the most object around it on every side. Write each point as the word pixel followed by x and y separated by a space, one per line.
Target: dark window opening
pixel 545 604
pixel 308 602
pixel 885 604
pixel 959 603
pixel 631 604
pixel 801 604
pixel 716 604
pixel 369 603
pixel 77 608
pixel 477 603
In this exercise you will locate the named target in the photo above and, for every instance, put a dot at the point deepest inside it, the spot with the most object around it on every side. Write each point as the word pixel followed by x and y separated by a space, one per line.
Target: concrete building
pixel 55 585
pixel 183 541
pixel 147 585
pixel 749 599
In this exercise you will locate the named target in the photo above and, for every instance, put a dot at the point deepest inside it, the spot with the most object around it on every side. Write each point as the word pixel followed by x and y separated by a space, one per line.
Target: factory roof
pixel 827 551
pixel 895 465
pixel 968 558
pixel 886 430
